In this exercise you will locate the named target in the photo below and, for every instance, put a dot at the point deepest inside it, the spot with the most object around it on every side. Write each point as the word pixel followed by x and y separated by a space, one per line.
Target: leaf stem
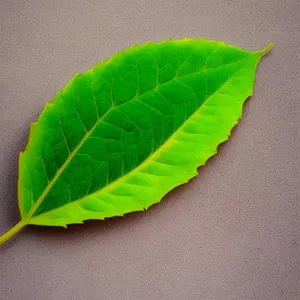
pixel 10 233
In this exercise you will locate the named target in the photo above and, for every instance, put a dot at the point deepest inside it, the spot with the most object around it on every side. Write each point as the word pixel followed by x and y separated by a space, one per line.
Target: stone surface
pixel 232 233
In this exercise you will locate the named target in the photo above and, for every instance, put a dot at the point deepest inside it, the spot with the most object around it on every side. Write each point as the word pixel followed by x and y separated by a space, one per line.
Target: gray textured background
pixel 231 233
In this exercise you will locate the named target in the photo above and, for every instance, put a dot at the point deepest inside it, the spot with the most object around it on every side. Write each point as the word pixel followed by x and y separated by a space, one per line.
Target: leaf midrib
pixel 89 132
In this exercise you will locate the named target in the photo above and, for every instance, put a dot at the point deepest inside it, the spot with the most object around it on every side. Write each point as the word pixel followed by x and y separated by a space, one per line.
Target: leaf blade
pixel 122 197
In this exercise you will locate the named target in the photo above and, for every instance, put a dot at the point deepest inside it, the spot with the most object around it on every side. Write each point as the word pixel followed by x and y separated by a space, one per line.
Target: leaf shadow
pixel 90 227
pixel 11 178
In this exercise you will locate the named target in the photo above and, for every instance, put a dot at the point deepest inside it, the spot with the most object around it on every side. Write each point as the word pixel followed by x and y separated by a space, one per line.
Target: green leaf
pixel 120 136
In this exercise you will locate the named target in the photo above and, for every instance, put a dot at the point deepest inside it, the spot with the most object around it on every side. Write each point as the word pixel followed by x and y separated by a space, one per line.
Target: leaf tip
pixel 267 49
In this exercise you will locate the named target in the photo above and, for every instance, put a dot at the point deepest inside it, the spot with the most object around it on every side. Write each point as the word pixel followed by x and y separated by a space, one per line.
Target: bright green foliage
pixel 120 136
